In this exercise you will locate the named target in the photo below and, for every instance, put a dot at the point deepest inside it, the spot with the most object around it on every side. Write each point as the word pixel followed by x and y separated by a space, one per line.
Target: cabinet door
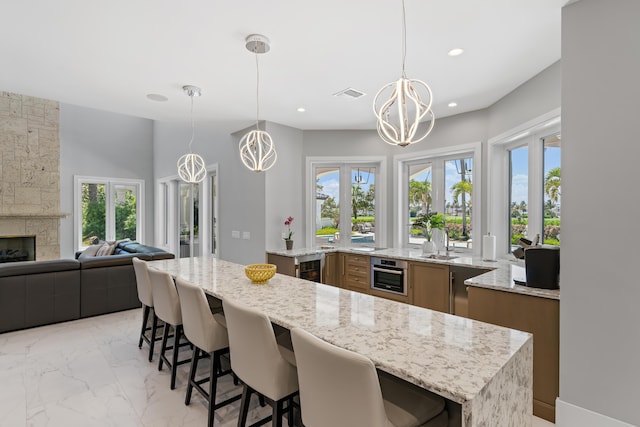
pixel 330 269
pixel 539 316
pixel 429 285
pixel 284 264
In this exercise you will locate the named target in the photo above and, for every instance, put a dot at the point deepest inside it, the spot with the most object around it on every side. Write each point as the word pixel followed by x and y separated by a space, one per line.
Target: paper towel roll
pixel 489 247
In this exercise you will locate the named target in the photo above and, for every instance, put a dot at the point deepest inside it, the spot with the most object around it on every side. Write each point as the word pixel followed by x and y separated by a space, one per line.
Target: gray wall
pixel 599 317
pixel 284 187
pixel 535 97
pixel 102 144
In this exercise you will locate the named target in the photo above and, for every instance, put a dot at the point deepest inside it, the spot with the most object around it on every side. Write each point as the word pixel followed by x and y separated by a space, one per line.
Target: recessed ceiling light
pixel 453 104
pixel 301 110
pixel 157 97
pixel 455 52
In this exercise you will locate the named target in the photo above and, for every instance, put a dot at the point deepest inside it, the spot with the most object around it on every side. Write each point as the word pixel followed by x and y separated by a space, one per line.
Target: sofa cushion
pixel 91 251
pixel 36 267
pixel 106 249
pixel 109 261
pixel 138 248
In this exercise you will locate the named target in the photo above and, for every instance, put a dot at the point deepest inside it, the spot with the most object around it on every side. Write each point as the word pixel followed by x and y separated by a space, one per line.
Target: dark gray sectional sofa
pixel 34 293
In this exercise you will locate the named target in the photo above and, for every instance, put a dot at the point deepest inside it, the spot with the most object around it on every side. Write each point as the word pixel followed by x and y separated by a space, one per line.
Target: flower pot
pixel 289 244
pixel 438 237
pixel 428 247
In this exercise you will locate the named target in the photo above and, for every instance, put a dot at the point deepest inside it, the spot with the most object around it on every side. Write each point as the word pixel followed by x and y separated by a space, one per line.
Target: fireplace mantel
pixel 38 216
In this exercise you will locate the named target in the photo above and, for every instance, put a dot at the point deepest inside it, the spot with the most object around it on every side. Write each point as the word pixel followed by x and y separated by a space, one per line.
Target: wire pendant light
pixel 191 167
pixel 400 106
pixel 257 151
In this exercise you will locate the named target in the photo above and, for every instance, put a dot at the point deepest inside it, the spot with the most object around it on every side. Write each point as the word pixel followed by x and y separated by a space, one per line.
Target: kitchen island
pixel 483 368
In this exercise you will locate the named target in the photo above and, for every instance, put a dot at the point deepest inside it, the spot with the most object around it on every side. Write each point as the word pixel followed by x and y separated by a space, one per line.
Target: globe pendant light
pixel 257 151
pixel 400 106
pixel 191 167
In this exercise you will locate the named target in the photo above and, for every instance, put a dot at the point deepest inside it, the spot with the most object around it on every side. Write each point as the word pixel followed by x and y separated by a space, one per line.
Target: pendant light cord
pixel 257 93
pixel 404 39
pixel 193 126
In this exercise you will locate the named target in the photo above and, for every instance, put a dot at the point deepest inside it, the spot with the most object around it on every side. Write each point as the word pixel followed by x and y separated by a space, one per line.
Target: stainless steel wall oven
pixel 389 275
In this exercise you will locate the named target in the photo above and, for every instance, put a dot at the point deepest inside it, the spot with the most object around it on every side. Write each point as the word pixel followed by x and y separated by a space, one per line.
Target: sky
pixel 331 185
pixel 519 159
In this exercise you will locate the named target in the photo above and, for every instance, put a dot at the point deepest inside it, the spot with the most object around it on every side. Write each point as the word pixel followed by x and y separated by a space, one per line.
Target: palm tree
pixel 458 189
pixel 420 192
pixel 552 184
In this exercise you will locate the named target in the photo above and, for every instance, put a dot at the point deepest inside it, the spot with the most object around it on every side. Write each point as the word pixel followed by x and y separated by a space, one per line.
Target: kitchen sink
pixel 440 257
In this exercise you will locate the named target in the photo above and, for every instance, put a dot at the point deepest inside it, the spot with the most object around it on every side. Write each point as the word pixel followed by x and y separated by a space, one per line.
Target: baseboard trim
pixel 544 410
pixel 569 415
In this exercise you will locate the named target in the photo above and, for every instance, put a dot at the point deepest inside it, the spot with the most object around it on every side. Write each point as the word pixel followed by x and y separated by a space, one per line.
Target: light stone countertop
pixel 457 358
pixel 501 277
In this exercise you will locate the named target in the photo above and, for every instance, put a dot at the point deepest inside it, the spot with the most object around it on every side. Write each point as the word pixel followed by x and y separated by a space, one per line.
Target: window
pixel 344 202
pixel 420 198
pixel 108 209
pixel 519 193
pixel 525 183
pixel 551 188
pixel 548 196
pixel 458 187
pixel 438 181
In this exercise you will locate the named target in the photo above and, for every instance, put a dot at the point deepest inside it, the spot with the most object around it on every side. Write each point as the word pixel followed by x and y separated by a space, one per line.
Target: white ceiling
pixel 110 54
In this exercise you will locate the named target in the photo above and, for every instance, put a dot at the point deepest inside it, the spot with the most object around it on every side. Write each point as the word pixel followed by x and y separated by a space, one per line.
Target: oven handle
pixel 384 270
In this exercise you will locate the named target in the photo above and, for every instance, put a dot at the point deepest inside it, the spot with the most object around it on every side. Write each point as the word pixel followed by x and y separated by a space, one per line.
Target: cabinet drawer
pixel 356 268
pixel 357 280
pixel 360 260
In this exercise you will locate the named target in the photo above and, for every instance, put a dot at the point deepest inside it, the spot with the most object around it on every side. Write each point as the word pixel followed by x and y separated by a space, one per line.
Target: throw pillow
pixel 105 250
pixel 91 251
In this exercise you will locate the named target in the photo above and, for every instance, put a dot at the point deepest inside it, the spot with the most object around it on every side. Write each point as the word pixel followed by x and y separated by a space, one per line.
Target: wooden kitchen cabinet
pixel 284 264
pixel 429 285
pixel 536 315
pixel 330 273
pixel 355 272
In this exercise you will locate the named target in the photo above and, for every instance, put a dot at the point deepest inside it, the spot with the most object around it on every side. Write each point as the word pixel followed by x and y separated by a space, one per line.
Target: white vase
pixel 437 237
pixel 428 247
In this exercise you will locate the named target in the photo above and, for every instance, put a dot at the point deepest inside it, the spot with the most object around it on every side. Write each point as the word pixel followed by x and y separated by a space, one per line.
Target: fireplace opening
pixel 17 248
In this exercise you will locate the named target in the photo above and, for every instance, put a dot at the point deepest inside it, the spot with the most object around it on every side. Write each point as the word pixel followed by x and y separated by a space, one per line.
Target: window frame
pixel 345 164
pixel 438 157
pixel 531 134
pixel 110 183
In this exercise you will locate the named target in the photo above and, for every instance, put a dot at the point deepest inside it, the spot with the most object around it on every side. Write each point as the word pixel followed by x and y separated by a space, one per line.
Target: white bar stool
pixel 167 307
pixel 207 333
pixel 264 367
pixel 145 296
pixel 340 388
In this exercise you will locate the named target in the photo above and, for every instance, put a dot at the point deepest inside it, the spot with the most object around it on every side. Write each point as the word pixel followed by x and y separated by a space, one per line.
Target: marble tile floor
pixel 90 372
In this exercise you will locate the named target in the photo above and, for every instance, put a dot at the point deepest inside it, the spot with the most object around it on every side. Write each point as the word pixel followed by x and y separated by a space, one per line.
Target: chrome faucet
pixel 446 241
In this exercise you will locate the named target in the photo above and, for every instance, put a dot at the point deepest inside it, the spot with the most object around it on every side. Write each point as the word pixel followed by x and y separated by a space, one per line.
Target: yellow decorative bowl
pixel 260 273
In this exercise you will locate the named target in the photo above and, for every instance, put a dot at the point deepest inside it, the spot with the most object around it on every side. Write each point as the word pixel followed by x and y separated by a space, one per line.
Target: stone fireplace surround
pixel 30 171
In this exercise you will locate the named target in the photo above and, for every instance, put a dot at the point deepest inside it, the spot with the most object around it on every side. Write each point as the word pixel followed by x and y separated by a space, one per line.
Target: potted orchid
pixel 287 239
pixel 428 223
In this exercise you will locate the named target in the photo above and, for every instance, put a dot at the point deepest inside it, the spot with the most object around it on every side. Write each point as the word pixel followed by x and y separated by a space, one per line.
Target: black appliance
pixel 389 275
pixel 542 266
pixel 309 267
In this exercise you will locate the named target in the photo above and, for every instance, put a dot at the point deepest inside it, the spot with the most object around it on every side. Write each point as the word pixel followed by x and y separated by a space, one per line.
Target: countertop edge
pixel 500 277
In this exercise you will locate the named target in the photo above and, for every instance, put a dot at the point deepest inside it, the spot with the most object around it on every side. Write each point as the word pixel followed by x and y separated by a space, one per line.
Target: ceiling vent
pixel 349 93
